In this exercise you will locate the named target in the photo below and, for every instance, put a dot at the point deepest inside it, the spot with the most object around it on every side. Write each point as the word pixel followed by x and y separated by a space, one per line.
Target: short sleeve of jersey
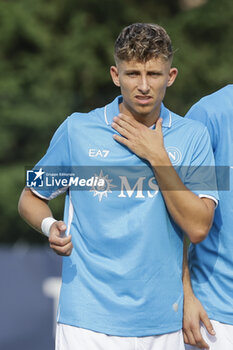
pixel 199 113
pixel 57 159
pixel 200 176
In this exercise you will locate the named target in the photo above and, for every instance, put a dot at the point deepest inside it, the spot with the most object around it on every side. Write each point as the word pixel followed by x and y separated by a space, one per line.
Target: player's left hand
pixel 143 141
pixel 194 312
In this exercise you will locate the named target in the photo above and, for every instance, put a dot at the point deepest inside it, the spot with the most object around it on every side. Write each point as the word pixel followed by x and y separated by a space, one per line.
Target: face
pixel 143 87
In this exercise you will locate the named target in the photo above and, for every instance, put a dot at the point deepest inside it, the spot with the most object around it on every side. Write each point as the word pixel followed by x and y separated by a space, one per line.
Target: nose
pixel 143 85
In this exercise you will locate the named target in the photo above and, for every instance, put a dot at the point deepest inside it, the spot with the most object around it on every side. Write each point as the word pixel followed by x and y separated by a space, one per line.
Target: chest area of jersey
pixel 97 147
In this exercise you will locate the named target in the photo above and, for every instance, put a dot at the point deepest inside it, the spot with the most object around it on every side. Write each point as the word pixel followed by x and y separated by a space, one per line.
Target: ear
pixel 172 76
pixel 115 75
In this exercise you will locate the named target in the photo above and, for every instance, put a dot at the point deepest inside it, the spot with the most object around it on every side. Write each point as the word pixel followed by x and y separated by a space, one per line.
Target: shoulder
pixel 219 95
pixel 214 105
pixel 79 118
pixel 189 126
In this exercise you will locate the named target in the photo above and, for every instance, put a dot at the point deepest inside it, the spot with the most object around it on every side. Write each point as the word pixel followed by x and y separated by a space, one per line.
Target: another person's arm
pixel 194 313
pixel 33 210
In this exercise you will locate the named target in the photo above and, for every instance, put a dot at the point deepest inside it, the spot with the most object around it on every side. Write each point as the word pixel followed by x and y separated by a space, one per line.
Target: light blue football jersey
pixel 124 276
pixel 211 261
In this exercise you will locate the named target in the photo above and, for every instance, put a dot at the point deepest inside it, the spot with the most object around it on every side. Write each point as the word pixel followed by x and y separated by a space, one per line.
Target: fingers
pixel 138 138
pixel 127 120
pixel 62 250
pixel 199 340
pixel 128 128
pixel 122 140
pixel 208 325
pixel 192 335
pixel 59 242
pixel 189 338
pixel 159 124
pixel 122 131
pixel 124 121
pixel 61 225
pixel 186 340
pixel 57 232
pixel 192 329
pixel 124 125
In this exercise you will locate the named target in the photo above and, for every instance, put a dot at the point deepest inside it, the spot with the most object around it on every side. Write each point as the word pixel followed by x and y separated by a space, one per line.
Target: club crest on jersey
pixel 93 152
pixel 174 155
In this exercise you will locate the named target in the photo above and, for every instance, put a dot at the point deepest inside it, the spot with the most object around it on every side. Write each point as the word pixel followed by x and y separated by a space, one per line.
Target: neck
pixel 148 119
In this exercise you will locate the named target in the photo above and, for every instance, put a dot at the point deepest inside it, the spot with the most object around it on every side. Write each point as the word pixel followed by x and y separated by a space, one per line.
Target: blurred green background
pixel 55 57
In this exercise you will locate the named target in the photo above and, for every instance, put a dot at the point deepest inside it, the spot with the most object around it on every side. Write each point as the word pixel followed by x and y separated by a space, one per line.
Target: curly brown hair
pixel 142 42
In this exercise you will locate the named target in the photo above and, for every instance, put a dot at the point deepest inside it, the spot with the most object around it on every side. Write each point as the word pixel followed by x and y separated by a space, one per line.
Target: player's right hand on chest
pixel 59 242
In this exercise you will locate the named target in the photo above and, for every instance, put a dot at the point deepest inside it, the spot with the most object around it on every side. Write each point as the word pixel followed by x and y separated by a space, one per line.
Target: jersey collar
pixel 112 109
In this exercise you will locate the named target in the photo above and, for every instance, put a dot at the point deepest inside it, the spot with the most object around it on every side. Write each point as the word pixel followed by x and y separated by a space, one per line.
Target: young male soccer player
pixel 121 278
pixel 211 261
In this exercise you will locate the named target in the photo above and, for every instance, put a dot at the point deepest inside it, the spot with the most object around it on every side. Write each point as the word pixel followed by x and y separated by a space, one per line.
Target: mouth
pixel 143 100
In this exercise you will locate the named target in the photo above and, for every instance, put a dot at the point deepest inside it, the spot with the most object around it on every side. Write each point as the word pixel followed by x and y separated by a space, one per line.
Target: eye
pixel 154 74
pixel 131 74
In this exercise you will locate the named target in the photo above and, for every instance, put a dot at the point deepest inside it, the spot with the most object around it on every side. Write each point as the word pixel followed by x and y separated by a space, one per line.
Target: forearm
pixel 190 212
pixel 187 286
pixel 33 209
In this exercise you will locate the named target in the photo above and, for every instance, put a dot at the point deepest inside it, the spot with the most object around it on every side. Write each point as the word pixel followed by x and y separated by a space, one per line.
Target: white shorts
pixel 223 340
pixel 74 338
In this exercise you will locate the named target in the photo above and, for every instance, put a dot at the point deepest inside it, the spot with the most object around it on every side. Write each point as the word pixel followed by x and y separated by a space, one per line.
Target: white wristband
pixel 46 224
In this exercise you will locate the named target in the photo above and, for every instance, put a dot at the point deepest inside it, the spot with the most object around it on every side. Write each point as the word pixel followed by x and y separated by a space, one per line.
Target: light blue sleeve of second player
pixel 56 160
pixel 205 115
pixel 200 176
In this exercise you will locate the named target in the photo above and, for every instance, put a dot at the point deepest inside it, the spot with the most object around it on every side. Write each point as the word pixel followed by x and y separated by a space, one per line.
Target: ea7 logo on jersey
pixel 103 153
pixel 174 155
